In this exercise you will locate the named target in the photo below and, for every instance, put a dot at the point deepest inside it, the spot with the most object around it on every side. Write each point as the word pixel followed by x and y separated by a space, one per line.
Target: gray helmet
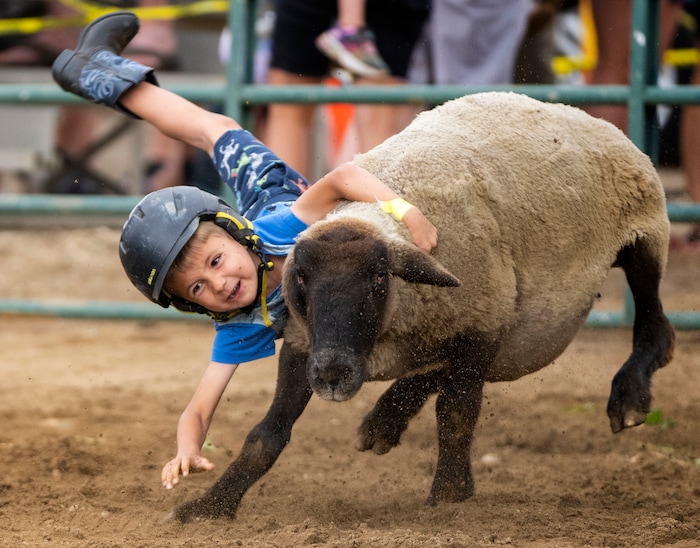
pixel 158 228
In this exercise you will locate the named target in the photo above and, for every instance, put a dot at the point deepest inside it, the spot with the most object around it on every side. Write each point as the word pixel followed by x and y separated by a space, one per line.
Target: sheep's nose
pixel 333 377
pixel 331 374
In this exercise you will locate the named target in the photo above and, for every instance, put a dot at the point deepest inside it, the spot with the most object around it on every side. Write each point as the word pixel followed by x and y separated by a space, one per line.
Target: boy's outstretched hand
pixel 183 464
pixel 423 233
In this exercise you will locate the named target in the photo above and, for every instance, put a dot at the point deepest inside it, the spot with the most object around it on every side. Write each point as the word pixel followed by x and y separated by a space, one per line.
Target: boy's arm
pixel 351 182
pixel 194 423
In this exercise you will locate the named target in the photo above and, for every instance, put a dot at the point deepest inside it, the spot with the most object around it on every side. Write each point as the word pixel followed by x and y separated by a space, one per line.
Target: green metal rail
pixel 84 205
pixel 238 95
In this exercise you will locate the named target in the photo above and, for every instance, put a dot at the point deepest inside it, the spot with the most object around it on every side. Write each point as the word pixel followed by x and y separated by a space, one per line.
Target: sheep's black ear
pixel 416 266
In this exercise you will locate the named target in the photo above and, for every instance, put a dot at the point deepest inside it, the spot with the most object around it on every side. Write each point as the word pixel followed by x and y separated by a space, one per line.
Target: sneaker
pixel 354 50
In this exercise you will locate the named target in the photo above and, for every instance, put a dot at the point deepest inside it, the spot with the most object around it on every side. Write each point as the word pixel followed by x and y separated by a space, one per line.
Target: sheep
pixel 534 204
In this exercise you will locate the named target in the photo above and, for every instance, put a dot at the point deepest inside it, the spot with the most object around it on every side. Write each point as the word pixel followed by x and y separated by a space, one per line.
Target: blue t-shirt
pixel 265 188
pixel 245 337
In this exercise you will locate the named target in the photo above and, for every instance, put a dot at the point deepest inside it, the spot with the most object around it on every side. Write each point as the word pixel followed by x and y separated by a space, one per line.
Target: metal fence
pixel 238 94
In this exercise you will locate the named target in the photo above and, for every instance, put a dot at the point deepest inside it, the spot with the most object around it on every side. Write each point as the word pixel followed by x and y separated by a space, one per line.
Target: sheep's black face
pixel 338 286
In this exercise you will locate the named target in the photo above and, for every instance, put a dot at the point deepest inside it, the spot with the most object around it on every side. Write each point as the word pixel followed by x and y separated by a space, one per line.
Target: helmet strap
pixel 263 268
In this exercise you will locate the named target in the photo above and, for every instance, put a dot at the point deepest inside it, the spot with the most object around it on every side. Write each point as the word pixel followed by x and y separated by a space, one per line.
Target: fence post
pixel 643 128
pixel 236 68
pixel 644 61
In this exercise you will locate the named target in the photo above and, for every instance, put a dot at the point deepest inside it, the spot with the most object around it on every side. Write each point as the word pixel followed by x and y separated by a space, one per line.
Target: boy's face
pixel 221 275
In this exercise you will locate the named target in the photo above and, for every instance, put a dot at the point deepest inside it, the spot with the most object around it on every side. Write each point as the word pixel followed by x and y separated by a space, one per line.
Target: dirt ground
pixel 89 410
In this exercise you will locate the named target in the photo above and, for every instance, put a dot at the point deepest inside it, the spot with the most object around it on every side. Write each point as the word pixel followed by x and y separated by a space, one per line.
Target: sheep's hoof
pixel 630 401
pixel 377 435
pixel 452 493
pixel 200 509
pixel 631 418
pixel 378 447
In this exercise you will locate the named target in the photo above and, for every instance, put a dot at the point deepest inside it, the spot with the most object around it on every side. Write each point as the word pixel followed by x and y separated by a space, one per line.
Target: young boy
pixel 188 248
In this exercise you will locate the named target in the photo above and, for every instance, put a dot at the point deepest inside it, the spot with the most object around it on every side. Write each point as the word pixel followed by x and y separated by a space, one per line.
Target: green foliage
pixel 655 417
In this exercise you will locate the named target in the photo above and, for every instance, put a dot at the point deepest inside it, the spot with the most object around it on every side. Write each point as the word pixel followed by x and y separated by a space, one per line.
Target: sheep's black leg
pixel 457 410
pixel 262 446
pixel 653 338
pixel 382 427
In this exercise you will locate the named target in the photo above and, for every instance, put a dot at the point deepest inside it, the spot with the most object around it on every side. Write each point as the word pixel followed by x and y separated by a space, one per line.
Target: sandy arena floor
pixel 89 409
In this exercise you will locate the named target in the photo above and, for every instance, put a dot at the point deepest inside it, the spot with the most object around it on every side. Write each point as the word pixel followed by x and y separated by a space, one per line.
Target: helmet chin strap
pixel 263 268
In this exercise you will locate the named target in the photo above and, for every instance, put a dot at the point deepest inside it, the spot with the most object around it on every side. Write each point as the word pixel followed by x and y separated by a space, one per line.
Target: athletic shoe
pixel 354 50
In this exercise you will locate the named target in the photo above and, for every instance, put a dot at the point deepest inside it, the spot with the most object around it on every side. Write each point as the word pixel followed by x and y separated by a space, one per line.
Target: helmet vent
pixel 174 207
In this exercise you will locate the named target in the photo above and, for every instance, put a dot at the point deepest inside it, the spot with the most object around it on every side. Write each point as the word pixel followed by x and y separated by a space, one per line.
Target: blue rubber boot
pixel 94 70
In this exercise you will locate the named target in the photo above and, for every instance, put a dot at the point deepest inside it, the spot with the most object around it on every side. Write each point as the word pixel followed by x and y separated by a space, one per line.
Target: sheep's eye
pixel 297 300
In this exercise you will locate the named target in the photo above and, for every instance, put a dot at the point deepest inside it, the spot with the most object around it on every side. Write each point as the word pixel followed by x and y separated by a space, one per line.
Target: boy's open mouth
pixel 232 296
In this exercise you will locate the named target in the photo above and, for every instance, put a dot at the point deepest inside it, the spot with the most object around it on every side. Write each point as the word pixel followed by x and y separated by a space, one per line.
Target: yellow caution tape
pixel 91 10
pixel 686 57
pixel 564 65
pixel 682 57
